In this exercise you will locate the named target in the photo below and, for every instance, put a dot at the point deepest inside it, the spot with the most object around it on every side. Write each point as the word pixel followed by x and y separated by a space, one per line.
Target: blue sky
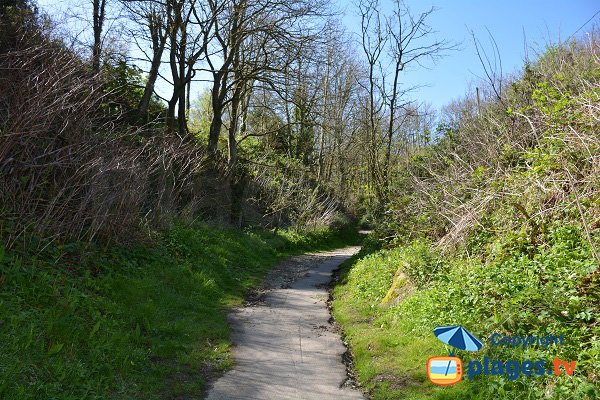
pixel 542 22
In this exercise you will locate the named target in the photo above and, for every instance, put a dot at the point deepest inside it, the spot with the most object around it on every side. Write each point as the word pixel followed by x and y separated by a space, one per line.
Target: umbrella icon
pixel 457 336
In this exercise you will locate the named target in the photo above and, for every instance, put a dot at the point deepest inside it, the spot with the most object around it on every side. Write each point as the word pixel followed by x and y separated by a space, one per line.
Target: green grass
pixel 390 354
pixel 515 292
pixel 144 321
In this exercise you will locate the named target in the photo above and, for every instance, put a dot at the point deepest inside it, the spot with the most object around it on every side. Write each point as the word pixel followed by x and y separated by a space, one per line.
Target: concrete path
pixel 284 346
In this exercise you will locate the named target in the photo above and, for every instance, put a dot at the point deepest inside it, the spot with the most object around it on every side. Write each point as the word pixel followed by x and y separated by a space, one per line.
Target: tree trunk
pixel 149 88
pixel 181 110
pixel 172 106
pixel 217 120
pixel 99 7
pixel 159 40
pixel 325 101
pixel 390 132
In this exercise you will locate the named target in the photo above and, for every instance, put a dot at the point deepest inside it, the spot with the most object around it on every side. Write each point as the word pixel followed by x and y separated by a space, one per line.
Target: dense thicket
pixel 77 161
pixel 543 130
pixel 495 227
pixel 291 129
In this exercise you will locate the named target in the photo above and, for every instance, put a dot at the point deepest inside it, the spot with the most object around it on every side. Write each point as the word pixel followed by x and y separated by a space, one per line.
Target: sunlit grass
pixel 138 322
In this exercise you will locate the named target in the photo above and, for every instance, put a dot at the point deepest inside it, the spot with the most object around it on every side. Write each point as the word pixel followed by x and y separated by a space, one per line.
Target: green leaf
pixel 56 347
pixel 95 329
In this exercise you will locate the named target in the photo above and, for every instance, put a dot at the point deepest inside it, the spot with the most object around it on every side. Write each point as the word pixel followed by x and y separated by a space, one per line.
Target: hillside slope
pixel 496 228
pixel 144 321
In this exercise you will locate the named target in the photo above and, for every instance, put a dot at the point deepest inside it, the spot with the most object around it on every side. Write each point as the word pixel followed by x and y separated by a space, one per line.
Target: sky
pixel 541 22
pixel 509 21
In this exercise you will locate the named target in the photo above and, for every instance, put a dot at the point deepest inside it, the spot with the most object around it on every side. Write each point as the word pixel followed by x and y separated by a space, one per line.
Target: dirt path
pixel 284 344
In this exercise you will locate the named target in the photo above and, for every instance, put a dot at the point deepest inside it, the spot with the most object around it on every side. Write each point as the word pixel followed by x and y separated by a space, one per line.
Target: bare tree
pixel 254 42
pixel 373 40
pixel 190 30
pixel 492 66
pixel 411 42
pixel 99 17
pixel 153 18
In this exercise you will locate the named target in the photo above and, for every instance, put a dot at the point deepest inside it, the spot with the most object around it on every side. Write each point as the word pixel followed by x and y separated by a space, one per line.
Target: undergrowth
pixel 139 322
pixel 496 228
pixel 555 291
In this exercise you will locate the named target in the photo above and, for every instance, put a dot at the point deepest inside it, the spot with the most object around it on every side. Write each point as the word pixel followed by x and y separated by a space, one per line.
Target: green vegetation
pixel 485 215
pixel 512 294
pixel 496 228
pixel 390 351
pixel 144 321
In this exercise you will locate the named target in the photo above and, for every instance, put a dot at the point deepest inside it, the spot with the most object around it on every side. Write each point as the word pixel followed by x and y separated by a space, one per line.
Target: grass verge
pixel 143 321
pixel 389 359
pixel 554 291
